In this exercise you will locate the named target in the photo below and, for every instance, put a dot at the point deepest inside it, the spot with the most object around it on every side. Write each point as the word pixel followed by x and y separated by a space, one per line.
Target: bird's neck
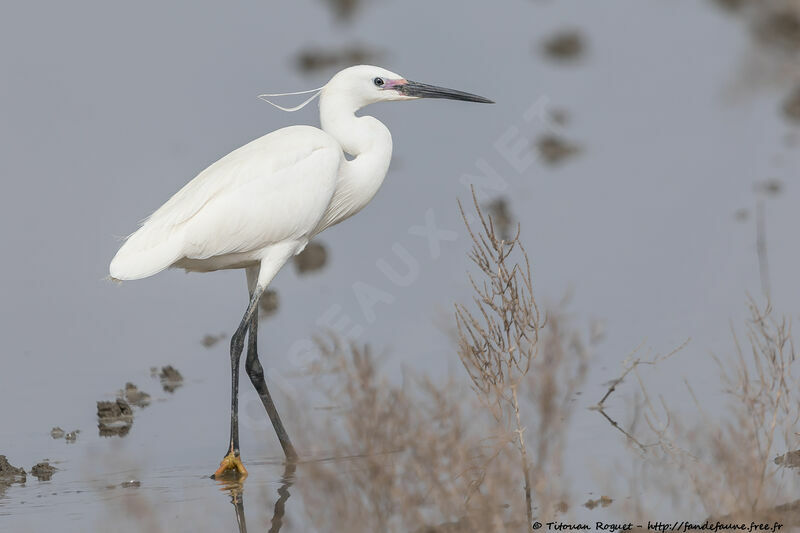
pixel 357 135
pixel 366 139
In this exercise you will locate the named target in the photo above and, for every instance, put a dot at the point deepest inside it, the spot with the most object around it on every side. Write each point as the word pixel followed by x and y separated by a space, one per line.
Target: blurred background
pixel 648 149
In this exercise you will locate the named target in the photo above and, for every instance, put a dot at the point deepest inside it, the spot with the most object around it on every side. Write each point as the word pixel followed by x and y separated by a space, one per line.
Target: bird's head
pixel 366 84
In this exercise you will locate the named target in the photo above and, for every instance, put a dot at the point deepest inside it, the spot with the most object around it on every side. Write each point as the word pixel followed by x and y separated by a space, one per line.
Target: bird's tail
pixel 140 257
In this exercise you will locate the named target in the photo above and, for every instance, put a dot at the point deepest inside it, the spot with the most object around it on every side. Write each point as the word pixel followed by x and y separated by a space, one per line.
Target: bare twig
pixel 498 340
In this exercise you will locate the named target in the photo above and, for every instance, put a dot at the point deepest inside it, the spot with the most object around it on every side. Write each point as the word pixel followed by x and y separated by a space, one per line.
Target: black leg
pixel 256 373
pixel 237 345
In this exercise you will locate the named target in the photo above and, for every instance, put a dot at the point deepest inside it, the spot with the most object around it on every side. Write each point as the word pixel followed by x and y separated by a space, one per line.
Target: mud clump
pixel 345 9
pixel 502 218
pixel 602 501
pixel 170 378
pixel 780 30
pixel 134 396
pixel 554 149
pixel 58 433
pixel 772 187
pixel 43 471
pixel 730 5
pixel 209 340
pixel 789 459
pixel 10 474
pixel 559 116
pixel 311 259
pixel 567 45
pixel 316 59
pixel 268 304
pixel 116 409
pixel 791 106
pixel 114 419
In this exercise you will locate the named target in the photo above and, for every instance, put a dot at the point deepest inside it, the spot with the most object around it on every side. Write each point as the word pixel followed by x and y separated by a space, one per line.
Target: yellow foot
pixel 231 465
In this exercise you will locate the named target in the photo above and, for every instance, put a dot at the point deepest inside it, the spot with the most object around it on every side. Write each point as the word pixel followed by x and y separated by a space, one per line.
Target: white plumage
pixel 272 190
pixel 279 190
pixel 260 204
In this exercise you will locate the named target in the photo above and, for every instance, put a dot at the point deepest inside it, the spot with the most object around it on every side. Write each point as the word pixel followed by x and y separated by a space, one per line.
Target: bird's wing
pixel 272 189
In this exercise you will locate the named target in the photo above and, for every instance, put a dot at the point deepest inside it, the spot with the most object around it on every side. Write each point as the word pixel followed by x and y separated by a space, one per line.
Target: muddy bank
pixel 9 475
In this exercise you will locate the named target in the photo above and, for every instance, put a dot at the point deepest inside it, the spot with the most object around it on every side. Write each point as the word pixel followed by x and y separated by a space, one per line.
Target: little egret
pixel 259 205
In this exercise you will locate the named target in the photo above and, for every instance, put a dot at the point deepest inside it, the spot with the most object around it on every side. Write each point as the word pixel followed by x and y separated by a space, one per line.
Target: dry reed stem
pixel 499 339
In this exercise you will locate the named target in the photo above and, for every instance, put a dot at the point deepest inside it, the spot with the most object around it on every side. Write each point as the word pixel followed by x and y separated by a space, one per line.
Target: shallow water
pixel 152 480
pixel 676 110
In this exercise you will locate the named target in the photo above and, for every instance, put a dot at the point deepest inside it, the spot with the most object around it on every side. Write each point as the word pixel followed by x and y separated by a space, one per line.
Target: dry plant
pixel 556 375
pixel 402 457
pixel 734 462
pixel 428 457
pixel 499 339
pixel 630 365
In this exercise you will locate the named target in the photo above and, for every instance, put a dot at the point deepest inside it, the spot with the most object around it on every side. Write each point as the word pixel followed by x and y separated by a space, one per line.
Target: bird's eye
pixel 378 82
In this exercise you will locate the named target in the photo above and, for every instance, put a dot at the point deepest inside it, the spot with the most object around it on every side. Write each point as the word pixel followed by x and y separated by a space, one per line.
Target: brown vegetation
pixel 426 456
pixel 724 465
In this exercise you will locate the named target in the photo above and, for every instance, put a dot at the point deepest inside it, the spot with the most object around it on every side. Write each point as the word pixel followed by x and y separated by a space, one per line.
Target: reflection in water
pixel 283 495
pixel 235 487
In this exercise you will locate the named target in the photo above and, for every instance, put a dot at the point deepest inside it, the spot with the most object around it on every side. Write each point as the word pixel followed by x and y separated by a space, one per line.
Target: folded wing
pixel 273 189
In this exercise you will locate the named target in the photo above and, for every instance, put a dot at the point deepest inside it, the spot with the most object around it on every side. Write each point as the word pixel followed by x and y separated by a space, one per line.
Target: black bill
pixel 423 90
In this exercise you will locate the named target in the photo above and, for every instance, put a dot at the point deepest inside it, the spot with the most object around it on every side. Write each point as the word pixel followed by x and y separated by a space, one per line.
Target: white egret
pixel 259 205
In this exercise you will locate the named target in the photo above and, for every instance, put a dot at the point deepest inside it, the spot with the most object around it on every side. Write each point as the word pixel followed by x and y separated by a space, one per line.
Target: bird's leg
pixel 232 460
pixel 256 373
